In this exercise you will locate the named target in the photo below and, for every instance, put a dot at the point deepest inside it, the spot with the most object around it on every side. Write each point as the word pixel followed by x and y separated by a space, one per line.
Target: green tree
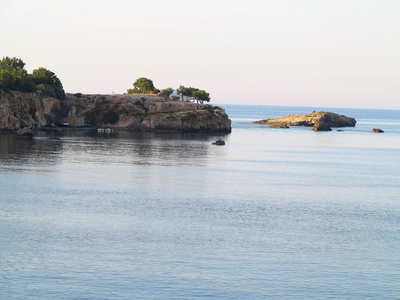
pixel 201 95
pixel 142 86
pixel 185 92
pixel 166 92
pixel 193 93
pixel 48 82
pixel 13 76
pixel 12 63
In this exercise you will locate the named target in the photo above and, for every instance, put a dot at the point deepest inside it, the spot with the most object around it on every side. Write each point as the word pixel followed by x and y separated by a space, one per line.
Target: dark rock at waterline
pixel 322 126
pixel 280 125
pixel 377 130
pixel 25 133
pixel 137 126
pixel 219 143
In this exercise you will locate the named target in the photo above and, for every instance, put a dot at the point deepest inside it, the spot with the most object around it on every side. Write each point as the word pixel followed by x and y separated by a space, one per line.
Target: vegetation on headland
pixel 146 86
pixel 14 77
pixel 22 104
pixel 193 93
pixel 143 86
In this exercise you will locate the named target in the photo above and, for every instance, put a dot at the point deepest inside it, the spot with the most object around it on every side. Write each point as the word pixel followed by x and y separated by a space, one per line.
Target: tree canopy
pixel 12 63
pixel 143 86
pixel 190 93
pixel 48 81
pixel 166 92
pixel 201 95
pixel 13 76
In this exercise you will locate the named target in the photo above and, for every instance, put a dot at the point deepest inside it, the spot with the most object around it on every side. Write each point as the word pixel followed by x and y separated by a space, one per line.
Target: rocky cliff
pixel 19 110
pixel 149 112
pixel 328 118
pixel 135 112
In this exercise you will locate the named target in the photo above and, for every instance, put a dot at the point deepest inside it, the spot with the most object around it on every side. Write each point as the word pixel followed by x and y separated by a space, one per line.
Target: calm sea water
pixel 273 214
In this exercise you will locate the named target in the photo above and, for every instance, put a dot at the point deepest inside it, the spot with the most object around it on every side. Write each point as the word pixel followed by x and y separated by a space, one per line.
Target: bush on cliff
pixel 193 93
pixel 166 92
pixel 143 86
pixel 13 76
pixel 201 95
pixel 48 82
pixel 4 88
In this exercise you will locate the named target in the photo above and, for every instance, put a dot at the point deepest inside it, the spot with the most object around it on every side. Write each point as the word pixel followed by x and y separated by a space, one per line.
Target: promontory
pixel 135 112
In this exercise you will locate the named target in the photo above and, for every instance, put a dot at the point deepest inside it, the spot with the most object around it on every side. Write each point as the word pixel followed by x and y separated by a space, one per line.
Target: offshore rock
pixel 377 130
pixel 219 143
pixel 321 127
pixel 280 125
pixel 25 132
pixel 329 118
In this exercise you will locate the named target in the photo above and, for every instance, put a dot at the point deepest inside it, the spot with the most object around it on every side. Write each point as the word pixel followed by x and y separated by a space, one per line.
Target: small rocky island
pixel 320 121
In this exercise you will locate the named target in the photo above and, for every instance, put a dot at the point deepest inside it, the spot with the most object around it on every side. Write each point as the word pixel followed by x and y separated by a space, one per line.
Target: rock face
pixel 135 112
pixel 328 118
pixel 149 112
pixel 321 127
pixel 280 125
pixel 25 132
pixel 19 110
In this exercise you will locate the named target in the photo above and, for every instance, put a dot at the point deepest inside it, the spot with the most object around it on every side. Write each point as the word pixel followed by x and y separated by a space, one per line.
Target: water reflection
pixel 119 147
pixel 35 152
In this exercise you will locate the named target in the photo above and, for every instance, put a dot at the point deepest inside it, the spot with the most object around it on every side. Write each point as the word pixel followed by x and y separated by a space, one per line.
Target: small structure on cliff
pixel 320 121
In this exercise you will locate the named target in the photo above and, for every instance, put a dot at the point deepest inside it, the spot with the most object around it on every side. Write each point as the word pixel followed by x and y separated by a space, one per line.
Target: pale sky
pixel 318 53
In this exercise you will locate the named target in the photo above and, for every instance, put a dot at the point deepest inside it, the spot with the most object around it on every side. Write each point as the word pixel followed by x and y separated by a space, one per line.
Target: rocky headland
pixel 320 121
pixel 134 112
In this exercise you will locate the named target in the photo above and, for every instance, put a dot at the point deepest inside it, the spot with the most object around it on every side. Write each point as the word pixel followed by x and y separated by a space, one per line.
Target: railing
pixel 64 109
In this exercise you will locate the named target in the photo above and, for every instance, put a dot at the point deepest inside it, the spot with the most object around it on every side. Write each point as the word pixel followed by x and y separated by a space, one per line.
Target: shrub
pixel 13 76
pixel 4 88
pixel 46 77
pixel 166 92
pixel 210 109
pixel 47 90
pixel 143 86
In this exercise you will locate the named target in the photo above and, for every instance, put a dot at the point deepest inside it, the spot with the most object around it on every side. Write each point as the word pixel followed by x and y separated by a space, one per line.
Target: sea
pixel 273 214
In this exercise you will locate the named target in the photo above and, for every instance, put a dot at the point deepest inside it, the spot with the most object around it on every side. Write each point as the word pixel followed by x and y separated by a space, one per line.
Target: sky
pixel 316 53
